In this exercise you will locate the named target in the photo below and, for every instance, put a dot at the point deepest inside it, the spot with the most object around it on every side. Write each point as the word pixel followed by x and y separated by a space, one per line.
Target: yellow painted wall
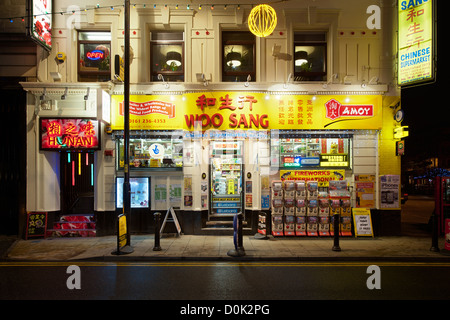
pixel 389 163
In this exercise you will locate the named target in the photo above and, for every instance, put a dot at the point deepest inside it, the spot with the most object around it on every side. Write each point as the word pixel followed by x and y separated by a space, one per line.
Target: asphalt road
pixel 223 281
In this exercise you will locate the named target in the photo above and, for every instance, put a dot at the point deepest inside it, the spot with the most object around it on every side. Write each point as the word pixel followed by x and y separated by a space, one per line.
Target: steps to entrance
pixel 222 226
pixel 80 225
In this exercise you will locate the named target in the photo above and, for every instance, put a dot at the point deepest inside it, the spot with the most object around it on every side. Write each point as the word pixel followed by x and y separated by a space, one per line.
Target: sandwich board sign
pixel 362 222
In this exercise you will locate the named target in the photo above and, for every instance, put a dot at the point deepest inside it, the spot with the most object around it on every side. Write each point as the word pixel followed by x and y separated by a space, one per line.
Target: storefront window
pixel 167 56
pixel 311 150
pixel 94 50
pixel 152 151
pixel 310 57
pixel 238 60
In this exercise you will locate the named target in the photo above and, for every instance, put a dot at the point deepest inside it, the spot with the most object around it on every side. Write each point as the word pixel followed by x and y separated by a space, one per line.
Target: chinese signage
pixel 41 22
pixel 61 133
pixel 415 41
pixel 321 176
pixel 334 160
pixel 248 111
pixel 335 110
pixel 36 224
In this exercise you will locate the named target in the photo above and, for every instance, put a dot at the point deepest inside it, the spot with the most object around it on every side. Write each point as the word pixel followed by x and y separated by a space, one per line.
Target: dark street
pixel 226 281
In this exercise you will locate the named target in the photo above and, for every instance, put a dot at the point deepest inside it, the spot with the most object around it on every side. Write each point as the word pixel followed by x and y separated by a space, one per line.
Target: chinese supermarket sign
pixel 61 133
pixel 415 42
pixel 247 111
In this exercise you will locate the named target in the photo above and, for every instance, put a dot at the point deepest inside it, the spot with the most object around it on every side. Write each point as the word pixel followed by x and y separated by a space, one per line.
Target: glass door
pixel 226 169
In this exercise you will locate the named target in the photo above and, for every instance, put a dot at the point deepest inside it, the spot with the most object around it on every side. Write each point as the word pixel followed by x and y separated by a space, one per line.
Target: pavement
pixel 217 248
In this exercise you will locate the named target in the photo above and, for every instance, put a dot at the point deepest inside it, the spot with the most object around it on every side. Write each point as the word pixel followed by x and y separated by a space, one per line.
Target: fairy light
pixel 112 8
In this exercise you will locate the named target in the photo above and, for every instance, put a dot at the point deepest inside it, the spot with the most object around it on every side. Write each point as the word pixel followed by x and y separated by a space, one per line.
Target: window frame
pixel 228 42
pixel 299 76
pixel 168 73
pixel 98 42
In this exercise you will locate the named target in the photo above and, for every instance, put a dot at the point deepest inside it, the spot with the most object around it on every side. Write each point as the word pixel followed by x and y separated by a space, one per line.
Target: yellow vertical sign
pixel 122 230
pixel 415 41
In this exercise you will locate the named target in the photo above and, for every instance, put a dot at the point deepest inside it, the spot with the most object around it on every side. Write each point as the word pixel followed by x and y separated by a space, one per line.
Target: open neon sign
pixel 95 55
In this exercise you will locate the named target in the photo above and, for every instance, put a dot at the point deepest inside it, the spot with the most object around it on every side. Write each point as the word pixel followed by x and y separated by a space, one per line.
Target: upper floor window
pixel 94 52
pixel 310 56
pixel 167 55
pixel 238 58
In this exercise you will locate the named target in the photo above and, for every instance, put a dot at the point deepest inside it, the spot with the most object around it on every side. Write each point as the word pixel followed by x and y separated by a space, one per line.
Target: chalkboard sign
pixel 362 222
pixel 36 224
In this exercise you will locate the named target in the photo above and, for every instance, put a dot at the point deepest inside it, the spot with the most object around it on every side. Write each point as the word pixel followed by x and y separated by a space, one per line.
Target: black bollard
pixel 157 216
pixel 240 240
pixel 238 250
pixel 336 247
pixel 434 233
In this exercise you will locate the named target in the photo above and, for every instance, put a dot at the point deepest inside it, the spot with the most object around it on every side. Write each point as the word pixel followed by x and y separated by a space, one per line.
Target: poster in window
pixel 390 191
pixel 365 190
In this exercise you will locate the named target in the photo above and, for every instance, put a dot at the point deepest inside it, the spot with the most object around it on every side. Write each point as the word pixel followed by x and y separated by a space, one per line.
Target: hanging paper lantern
pixel 262 20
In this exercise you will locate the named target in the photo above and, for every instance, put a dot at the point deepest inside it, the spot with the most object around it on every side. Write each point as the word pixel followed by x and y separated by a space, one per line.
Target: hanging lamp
pixel 262 20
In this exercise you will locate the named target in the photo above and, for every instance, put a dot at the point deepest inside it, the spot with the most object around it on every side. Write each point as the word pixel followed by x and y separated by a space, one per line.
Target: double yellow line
pixel 222 264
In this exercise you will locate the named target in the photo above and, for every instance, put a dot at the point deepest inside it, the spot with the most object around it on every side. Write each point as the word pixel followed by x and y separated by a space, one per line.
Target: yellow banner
pixel 415 41
pixel 122 230
pixel 321 176
pixel 248 111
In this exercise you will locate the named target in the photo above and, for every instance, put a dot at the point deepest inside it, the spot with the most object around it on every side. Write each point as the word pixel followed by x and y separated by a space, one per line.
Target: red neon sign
pixel 59 134
pixel 95 55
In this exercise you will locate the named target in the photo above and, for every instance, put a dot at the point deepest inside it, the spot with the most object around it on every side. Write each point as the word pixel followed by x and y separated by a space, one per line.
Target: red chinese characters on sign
pixel 57 134
pixel 335 110
pixel 203 102
pixel 244 120
pixel 414 30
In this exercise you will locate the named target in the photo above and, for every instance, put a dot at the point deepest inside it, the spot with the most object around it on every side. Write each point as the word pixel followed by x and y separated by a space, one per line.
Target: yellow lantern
pixel 262 20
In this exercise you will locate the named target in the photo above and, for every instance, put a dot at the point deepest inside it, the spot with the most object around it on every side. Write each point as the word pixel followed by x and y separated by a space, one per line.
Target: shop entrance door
pixel 77 183
pixel 226 168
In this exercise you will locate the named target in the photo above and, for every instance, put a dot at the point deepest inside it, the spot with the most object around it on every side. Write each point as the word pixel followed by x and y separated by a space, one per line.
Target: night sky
pixel 427 107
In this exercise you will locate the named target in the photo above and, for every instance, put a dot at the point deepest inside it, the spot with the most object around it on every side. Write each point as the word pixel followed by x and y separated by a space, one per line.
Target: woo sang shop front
pixel 297 158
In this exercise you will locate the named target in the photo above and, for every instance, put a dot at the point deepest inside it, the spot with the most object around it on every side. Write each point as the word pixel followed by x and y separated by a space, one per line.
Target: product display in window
pixel 153 153
pixel 311 152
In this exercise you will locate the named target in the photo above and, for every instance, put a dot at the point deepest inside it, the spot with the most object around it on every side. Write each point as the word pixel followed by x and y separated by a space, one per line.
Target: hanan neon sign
pixel 95 55
pixel 74 134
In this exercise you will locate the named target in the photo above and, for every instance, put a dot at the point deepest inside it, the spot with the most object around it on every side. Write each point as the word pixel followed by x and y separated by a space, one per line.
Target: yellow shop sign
pixel 248 111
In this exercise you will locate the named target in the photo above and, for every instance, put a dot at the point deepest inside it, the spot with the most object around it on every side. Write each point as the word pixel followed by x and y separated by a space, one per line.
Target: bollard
pixel 336 219
pixel 157 246
pixel 240 240
pixel 238 250
pixel 434 233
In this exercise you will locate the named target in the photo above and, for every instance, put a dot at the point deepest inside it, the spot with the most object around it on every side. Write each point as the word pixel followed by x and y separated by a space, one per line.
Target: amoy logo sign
pixel 335 110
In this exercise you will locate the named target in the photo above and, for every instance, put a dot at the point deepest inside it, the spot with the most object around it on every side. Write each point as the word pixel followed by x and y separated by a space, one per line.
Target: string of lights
pixel 224 6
